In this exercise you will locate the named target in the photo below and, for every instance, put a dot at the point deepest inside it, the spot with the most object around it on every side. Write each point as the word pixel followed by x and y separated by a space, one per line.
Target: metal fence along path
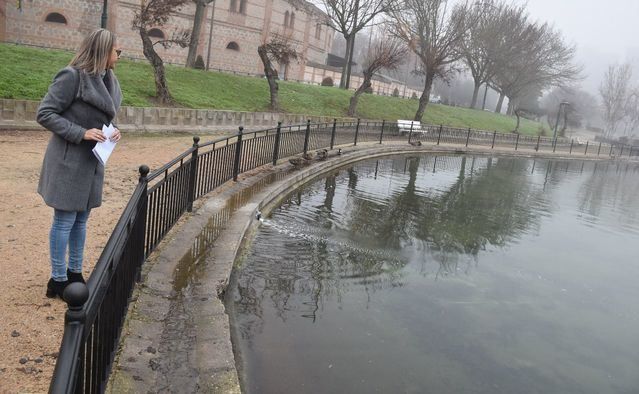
pixel 96 311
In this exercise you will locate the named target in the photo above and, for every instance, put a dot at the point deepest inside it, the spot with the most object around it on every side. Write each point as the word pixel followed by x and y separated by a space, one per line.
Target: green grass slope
pixel 27 72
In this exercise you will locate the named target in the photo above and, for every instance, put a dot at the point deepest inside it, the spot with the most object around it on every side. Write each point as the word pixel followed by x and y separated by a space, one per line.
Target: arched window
pixel 292 20
pixel 55 17
pixel 233 45
pixel 242 6
pixel 286 19
pixel 233 7
pixel 156 33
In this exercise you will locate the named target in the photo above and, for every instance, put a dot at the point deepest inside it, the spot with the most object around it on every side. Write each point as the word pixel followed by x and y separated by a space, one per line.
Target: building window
pixel 54 17
pixel 233 7
pixel 318 31
pixel 233 46
pixel 156 33
pixel 242 6
pixel 286 19
pixel 292 25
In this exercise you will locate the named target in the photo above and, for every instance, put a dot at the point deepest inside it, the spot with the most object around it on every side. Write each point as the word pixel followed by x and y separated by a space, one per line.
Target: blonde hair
pixel 94 52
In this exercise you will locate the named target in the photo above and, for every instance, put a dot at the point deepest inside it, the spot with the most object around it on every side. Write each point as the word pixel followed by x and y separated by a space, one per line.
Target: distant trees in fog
pixel 514 55
pixel 620 101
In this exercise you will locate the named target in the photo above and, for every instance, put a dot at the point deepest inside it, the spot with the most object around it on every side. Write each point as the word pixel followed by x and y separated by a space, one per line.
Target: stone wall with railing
pixel 21 115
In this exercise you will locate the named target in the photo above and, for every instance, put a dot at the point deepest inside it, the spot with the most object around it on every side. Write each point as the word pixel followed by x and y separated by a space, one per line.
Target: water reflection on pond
pixel 446 275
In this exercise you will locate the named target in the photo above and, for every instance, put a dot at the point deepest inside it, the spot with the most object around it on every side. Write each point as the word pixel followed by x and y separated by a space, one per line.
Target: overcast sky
pixel 604 31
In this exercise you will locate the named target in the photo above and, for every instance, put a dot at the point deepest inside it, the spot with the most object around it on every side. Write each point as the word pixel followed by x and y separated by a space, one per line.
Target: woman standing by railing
pixel 82 97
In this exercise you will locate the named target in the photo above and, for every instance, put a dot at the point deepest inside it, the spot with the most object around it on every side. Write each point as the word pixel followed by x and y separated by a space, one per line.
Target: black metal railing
pixel 96 311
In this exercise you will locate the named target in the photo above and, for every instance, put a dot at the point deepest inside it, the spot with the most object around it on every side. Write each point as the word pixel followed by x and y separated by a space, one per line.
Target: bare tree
pixel 614 91
pixel 481 46
pixel 583 106
pixel 155 13
pixel 277 50
pixel 349 17
pixel 537 59
pixel 384 54
pixel 631 120
pixel 434 33
pixel 200 7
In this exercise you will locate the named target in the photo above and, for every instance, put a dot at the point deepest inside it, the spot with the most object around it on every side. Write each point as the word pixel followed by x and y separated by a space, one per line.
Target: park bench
pixel 404 126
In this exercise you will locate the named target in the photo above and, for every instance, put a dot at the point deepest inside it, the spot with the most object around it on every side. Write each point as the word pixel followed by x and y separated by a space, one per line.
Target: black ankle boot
pixel 75 277
pixel 55 288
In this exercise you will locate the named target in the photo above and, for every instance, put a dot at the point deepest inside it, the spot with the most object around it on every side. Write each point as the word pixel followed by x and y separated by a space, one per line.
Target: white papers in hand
pixel 103 150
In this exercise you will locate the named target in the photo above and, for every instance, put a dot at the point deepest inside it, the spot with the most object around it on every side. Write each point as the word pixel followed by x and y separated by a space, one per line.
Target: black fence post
pixel 410 133
pixel 537 147
pixel 381 133
pixel 65 374
pixel 333 133
pixel 621 152
pixel 307 135
pixel 439 137
pixel 494 135
pixel 599 149
pixel 144 172
pixel 467 137
pixel 571 142
pixel 586 151
pixel 276 147
pixel 193 174
pixel 517 141
pixel 356 132
pixel 238 153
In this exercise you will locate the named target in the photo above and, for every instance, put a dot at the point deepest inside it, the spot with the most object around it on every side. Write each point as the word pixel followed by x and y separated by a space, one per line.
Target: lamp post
pixel 554 137
pixel 103 20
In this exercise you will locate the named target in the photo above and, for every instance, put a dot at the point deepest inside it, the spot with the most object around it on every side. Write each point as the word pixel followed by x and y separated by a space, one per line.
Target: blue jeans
pixel 69 229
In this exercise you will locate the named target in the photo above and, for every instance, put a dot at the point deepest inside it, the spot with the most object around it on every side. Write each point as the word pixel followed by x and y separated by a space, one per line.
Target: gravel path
pixel 31 325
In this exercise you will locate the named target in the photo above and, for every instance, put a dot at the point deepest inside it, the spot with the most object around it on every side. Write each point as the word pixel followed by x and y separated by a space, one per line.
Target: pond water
pixel 449 274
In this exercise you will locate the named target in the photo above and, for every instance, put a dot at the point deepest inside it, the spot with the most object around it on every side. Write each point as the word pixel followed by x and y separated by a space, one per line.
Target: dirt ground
pixel 31 325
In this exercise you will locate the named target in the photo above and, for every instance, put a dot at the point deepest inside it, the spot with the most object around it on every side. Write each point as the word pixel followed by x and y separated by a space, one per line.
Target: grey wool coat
pixel 71 178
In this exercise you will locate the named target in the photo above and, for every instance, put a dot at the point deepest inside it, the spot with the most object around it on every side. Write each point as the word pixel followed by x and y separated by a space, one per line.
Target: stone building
pixel 238 27
pixel 230 34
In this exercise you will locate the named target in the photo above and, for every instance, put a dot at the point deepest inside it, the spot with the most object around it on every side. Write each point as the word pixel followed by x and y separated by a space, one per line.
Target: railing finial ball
pixel 76 294
pixel 196 140
pixel 144 170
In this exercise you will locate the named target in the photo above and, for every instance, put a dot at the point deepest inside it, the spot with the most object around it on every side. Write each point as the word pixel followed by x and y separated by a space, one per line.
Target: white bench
pixel 405 126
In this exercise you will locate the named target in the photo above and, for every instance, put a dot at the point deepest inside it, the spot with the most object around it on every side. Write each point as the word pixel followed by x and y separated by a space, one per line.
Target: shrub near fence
pixel 96 312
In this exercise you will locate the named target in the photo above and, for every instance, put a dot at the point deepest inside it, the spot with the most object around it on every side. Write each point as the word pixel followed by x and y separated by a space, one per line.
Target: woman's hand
pixel 115 137
pixel 95 135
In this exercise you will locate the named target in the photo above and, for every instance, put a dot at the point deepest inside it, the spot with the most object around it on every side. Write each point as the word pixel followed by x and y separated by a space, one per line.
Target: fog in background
pixel 605 32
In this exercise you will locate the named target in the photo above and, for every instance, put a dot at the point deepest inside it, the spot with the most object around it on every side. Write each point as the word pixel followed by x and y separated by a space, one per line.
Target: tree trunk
pixel 200 6
pixel 161 89
pixel 517 126
pixel 349 63
pixel 473 102
pixel 500 102
pixel 423 100
pixel 271 77
pixel 352 108
pixel 483 104
pixel 352 46
pixel 342 80
pixel 511 107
